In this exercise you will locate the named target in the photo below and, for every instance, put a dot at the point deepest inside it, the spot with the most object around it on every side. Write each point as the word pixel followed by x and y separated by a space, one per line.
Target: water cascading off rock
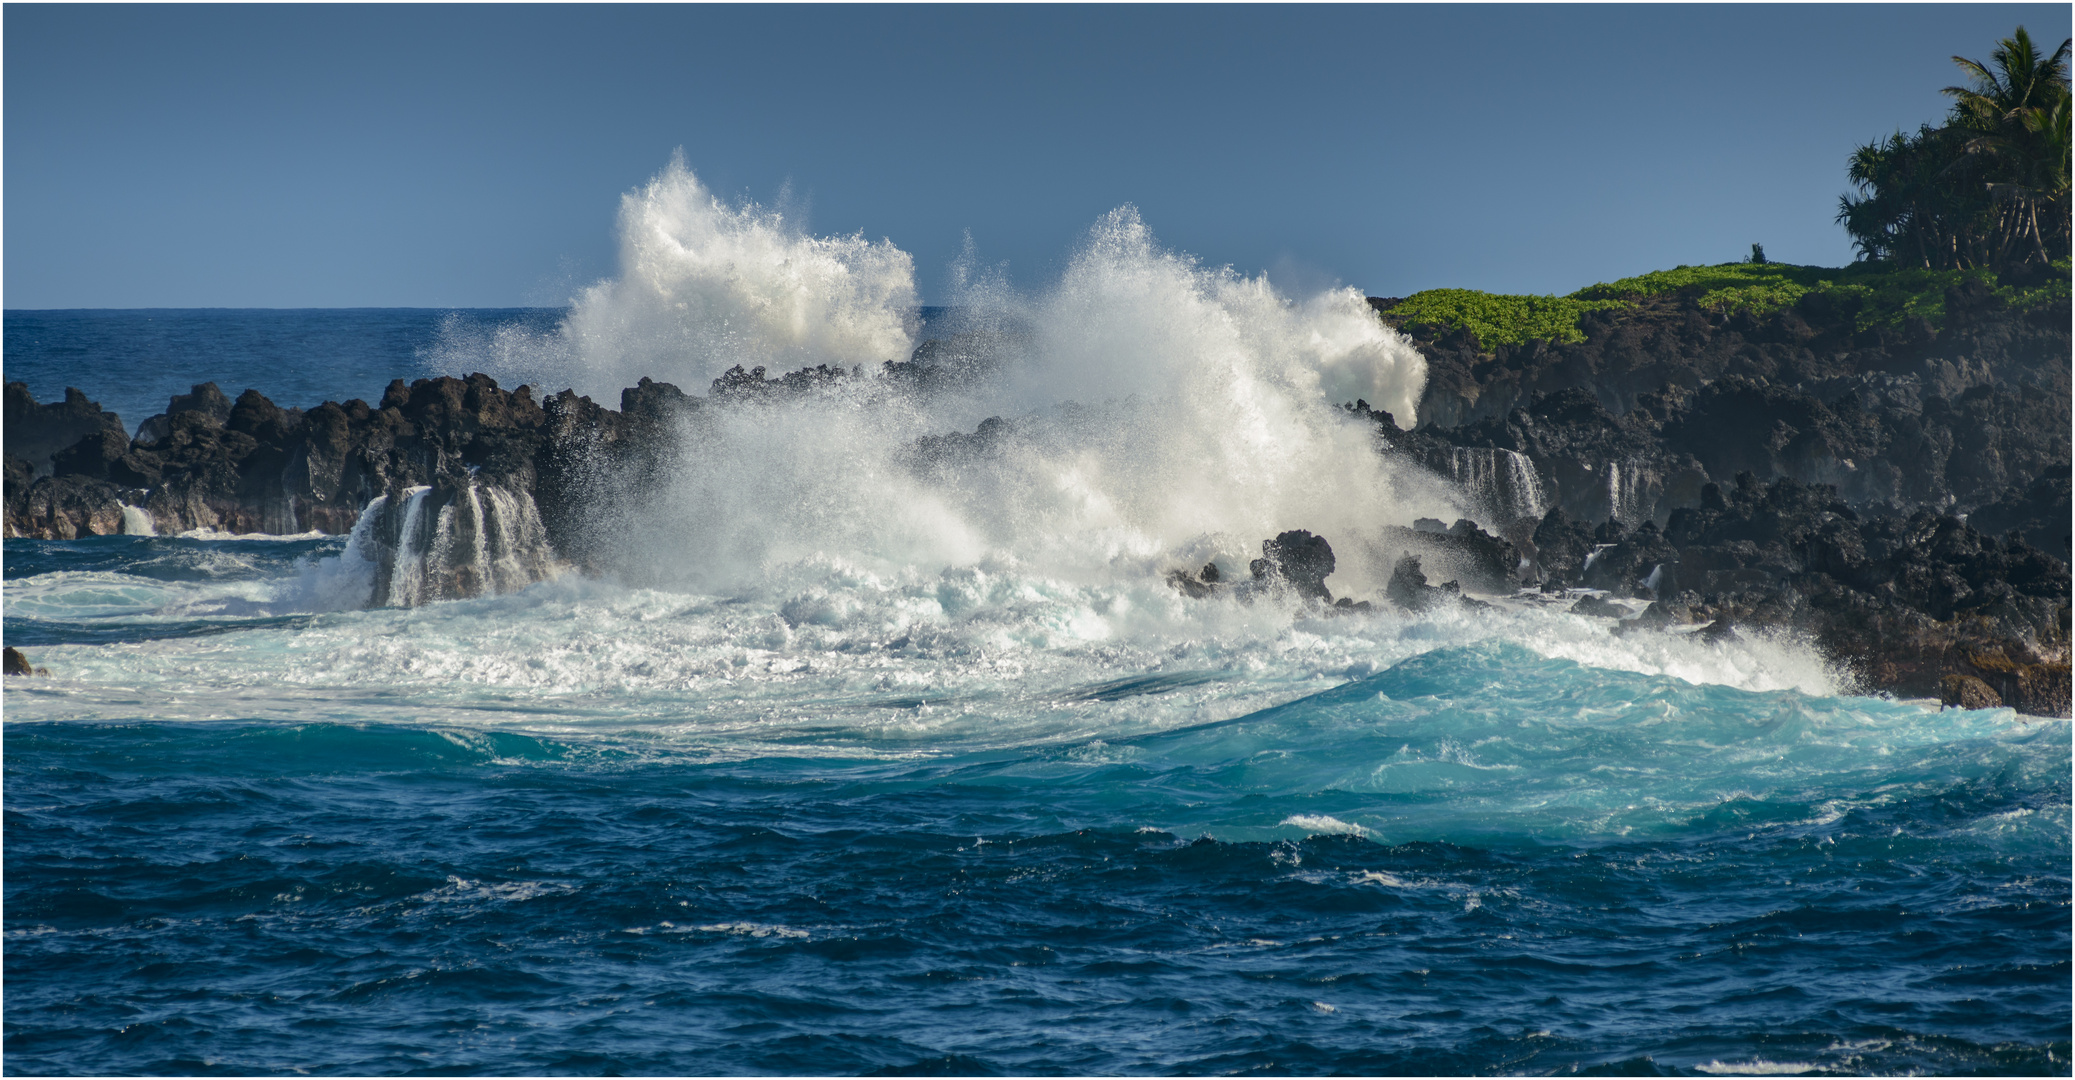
pixel 449 542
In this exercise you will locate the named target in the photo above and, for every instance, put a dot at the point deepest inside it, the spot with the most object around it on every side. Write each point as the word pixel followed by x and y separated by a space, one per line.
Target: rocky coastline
pixel 1901 495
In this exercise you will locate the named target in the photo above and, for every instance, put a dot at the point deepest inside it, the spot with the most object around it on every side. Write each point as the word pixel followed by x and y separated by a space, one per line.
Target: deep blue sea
pixel 915 779
pixel 134 361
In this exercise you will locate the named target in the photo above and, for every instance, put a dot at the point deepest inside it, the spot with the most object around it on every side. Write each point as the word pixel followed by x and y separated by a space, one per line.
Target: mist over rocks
pixel 1899 497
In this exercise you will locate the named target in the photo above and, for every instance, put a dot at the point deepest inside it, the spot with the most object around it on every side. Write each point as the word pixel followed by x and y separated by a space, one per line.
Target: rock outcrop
pixel 1902 496
pixel 1666 396
pixel 1900 493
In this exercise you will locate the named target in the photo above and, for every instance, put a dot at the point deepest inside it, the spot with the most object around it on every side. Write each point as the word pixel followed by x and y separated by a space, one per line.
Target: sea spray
pixel 705 285
pixel 1145 405
pixel 1143 413
pixel 879 743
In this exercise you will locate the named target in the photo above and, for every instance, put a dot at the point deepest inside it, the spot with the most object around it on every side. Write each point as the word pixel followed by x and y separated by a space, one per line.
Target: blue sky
pixel 257 156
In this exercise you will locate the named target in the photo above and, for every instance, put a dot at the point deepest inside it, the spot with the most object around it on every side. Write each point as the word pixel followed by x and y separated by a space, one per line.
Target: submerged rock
pixel 1198 585
pixel 1409 590
pixel 1296 561
pixel 1598 607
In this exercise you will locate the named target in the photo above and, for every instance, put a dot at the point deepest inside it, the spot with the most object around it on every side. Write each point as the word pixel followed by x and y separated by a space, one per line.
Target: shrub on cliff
pixel 1878 295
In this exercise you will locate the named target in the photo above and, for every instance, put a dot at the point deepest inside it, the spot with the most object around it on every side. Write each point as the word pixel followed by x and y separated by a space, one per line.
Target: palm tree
pixel 1911 208
pixel 2019 80
pixel 2013 122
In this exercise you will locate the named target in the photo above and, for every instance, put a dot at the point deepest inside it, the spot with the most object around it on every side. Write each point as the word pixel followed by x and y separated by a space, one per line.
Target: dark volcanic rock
pixel 1902 601
pixel 1967 692
pixel 1899 494
pixel 1598 607
pixel 1639 562
pixel 1666 396
pixel 250 466
pixel 12 662
pixel 1474 558
pixel 37 433
pixel 1409 590
pixel 1408 586
pixel 1299 561
pixel 1561 545
pixel 1294 562
pixel 2040 513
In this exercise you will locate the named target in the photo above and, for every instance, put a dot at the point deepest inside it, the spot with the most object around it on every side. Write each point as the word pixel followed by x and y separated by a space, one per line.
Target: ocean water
pixel 134 361
pixel 849 763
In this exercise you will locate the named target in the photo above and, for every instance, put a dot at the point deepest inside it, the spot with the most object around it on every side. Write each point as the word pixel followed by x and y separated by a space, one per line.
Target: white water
pixel 1505 481
pixel 1627 499
pixel 974 654
pixel 136 521
pixel 1161 410
pixel 800 565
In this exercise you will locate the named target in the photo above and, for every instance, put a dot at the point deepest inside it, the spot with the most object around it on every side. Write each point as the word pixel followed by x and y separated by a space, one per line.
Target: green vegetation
pixel 1983 196
pixel 1989 188
pixel 1498 319
pixel 1877 295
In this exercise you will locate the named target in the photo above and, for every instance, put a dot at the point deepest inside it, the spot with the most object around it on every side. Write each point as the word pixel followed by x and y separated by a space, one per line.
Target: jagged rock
pixel 1665 396
pixel 37 433
pixel 1967 692
pixel 941 456
pixel 1662 614
pixel 737 382
pixel 1408 586
pixel 1299 561
pixel 1640 562
pixel 207 403
pixel 1296 561
pixel 1561 544
pixel 1901 601
pixel 1476 558
pixel 2037 688
pixel 2040 513
pixel 69 507
pixel 12 662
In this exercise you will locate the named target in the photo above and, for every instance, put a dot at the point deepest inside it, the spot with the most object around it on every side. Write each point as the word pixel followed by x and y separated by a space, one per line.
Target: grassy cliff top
pixel 1876 295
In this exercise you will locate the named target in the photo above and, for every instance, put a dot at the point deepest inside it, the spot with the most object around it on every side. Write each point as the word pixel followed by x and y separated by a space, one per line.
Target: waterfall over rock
pixel 448 542
pixel 1505 480
pixel 1633 488
pixel 136 521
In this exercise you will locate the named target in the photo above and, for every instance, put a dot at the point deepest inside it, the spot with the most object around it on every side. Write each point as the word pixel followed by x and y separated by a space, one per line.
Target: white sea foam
pixel 1317 824
pixel 751 929
pixel 460 890
pixel 220 535
pixel 1758 1067
pixel 705 285
pixel 1158 411
pixel 1158 414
